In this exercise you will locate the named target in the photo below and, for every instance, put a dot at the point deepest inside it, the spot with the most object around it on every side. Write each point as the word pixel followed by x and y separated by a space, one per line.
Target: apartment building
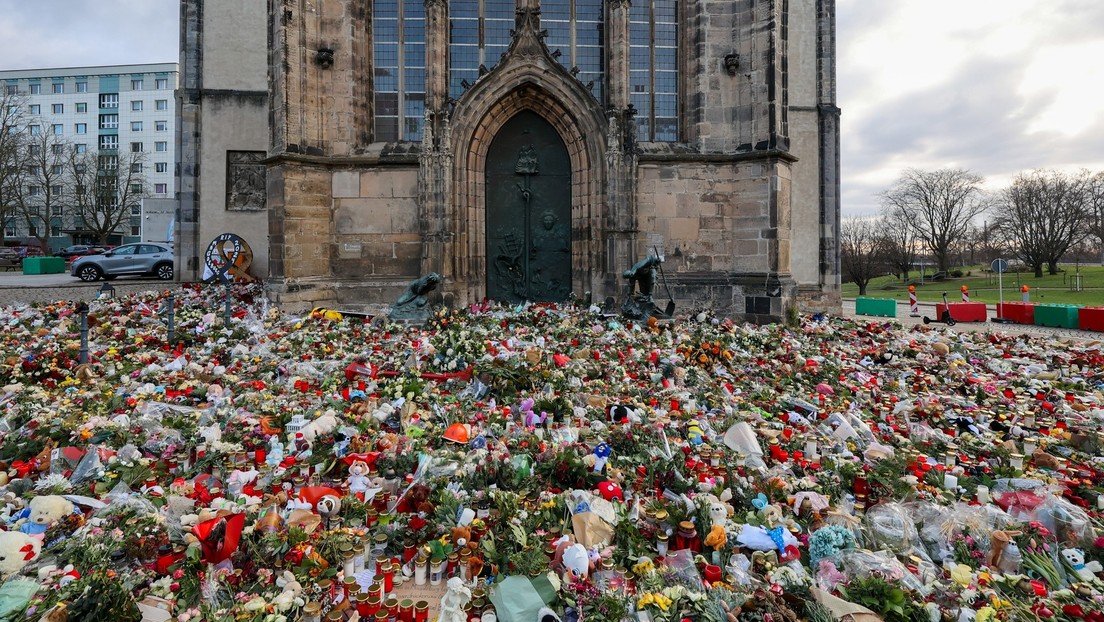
pixel 112 111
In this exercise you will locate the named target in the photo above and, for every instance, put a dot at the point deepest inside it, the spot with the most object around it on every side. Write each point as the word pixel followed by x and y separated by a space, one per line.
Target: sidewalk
pixel 928 309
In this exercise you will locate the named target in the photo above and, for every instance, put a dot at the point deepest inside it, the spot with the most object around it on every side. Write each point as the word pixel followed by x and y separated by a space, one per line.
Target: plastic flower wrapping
pixel 540 462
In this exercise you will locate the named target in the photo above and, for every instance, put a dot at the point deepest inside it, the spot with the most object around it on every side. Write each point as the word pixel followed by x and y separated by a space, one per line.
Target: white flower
pixel 256 604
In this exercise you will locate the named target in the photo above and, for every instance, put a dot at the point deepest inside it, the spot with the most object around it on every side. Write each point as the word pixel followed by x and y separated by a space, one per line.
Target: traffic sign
pixel 1000 266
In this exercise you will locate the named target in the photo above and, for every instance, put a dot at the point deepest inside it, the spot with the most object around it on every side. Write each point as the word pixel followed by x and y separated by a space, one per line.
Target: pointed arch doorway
pixel 528 211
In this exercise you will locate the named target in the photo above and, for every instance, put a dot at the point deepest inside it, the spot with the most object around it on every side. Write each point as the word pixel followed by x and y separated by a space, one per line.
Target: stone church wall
pixel 745 207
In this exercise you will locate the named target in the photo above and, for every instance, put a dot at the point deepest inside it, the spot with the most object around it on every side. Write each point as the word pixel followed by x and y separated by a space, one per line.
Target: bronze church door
pixel 528 212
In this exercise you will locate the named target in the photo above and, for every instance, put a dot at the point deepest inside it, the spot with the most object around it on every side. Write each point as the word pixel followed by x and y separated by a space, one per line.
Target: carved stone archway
pixel 528 78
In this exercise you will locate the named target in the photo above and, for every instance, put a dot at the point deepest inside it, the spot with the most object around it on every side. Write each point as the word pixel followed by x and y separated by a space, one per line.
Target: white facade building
pixel 120 107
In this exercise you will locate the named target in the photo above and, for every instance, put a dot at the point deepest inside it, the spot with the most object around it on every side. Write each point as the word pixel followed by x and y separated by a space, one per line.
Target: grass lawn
pixel 983 287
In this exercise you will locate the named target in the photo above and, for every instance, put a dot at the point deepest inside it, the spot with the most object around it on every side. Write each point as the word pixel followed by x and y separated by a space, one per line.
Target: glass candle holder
pixel 351 588
pixel 421 569
pixel 662 541
pixel 388 577
pixel 406 610
pixel 358 559
pixel 1017 462
pixel 421 611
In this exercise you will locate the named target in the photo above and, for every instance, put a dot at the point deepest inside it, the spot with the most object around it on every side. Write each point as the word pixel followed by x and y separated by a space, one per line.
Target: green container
pixel 883 307
pixel 1059 316
pixel 43 265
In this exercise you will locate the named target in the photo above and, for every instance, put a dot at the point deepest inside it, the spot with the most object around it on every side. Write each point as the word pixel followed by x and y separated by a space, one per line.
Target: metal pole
pixel 171 317
pixel 82 309
pixel 226 311
pixel 1000 288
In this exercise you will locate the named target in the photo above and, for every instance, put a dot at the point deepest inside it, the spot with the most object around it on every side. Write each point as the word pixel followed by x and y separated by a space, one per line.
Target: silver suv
pixel 138 259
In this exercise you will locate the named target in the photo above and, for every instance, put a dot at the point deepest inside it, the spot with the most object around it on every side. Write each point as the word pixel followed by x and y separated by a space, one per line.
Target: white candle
pixel 1029 448
pixel 810 449
pixel 1100 502
pixel 983 494
pixel 950 482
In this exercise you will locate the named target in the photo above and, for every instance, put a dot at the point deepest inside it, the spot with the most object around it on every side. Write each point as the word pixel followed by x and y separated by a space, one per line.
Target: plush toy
pixel 571 559
pixel 694 432
pixel 291 591
pixel 43 512
pixel 323 425
pixel 610 491
pixel 16 549
pixel 716 538
pixel 358 477
pixel 1076 559
pixel 461 536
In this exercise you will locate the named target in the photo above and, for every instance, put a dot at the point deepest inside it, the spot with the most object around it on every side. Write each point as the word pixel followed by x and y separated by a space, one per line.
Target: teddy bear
pixel 43 511
pixel 323 425
pixel 1076 559
pixel 461 536
pixel 16 549
pixel 292 590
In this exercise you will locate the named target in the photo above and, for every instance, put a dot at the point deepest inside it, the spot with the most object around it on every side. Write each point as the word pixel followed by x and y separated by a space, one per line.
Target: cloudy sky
pixel 995 86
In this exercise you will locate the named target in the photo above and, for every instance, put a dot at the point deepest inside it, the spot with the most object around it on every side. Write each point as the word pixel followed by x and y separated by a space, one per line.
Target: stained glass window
pixel 398 28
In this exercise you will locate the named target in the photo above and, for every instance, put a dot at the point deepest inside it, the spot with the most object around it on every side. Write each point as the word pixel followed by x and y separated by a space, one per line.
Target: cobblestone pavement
pixel 928 309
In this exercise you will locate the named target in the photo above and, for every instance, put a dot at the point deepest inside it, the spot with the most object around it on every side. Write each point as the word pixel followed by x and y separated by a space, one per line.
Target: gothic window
pixel 653 68
pixel 399 58
pixel 576 28
pixel 480 34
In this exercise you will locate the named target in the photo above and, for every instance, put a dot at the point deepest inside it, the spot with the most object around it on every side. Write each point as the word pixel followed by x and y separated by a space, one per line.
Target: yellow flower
pixel 985 614
pixel 962 575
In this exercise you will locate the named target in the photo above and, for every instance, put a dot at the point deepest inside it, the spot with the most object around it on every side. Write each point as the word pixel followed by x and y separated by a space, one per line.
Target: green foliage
pixel 888 600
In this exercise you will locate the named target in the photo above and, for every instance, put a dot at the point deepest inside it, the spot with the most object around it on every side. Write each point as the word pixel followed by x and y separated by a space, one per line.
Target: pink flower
pixel 178 573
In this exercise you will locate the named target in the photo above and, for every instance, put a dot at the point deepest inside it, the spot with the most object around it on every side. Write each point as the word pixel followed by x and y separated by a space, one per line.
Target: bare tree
pixel 105 188
pixel 939 205
pixel 861 251
pixel 12 167
pixel 899 244
pixel 41 183
pixel 1094 189
pixel 1043 214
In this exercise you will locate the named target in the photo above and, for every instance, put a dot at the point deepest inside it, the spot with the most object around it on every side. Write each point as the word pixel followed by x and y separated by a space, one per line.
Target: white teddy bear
pixel 1076 559
pixel 44 511
pixel 16 549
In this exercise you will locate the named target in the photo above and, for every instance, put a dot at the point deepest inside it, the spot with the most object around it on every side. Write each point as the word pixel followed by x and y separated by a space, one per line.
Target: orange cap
pixel 964 288
pixel 1024 289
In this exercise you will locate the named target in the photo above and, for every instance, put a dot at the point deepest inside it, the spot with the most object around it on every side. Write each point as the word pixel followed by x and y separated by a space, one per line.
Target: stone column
pixel 435 160
pixel 622 228
pixel 829 147
pixel 188 133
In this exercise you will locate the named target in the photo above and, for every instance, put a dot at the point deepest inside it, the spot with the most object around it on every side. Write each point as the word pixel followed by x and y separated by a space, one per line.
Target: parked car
pixel 79 250
pixel 10 258
pixel 129 259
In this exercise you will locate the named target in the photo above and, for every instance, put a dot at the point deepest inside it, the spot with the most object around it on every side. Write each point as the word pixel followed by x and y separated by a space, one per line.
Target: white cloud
pixel 997 86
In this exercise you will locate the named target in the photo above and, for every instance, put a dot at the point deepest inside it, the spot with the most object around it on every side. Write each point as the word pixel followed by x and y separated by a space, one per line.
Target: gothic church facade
pixel 522 149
